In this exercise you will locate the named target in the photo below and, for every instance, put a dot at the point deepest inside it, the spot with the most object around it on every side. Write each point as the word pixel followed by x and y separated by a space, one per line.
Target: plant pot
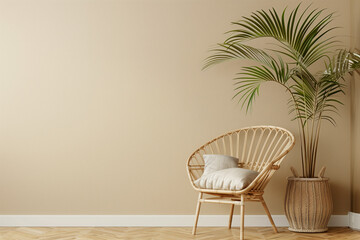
pixel 308 204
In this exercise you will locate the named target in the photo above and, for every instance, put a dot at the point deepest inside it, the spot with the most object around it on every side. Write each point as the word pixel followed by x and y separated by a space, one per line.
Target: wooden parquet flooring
pixel 165 233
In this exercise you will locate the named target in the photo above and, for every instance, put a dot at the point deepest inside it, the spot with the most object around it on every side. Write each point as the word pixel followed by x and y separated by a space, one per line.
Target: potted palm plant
pixel 301 38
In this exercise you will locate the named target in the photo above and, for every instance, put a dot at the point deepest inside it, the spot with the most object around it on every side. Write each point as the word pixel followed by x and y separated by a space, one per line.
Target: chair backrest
pixel 255 147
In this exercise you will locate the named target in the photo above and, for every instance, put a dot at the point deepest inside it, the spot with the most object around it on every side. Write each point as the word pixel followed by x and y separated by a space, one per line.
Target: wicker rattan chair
pixel 260 148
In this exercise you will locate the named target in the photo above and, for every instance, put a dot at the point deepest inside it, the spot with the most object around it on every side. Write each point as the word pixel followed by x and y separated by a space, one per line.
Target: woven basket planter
pixel 308 204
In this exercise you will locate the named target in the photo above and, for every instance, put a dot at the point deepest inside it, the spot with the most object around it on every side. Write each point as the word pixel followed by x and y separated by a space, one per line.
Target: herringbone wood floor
pixel 69 233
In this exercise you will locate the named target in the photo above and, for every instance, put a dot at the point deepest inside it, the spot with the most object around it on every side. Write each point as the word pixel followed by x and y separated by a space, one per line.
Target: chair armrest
pixel 262 176
pixel 275 167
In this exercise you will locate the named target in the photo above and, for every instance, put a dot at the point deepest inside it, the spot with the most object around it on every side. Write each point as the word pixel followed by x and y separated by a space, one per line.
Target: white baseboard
pixel 149 220
pixel 354 220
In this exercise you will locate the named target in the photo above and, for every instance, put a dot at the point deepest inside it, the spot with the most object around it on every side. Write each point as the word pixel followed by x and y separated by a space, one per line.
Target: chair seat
pixel 233 179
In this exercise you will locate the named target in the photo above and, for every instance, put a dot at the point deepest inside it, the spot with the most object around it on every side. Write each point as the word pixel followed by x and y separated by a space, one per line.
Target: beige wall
pixel 355 87
pixel 101 103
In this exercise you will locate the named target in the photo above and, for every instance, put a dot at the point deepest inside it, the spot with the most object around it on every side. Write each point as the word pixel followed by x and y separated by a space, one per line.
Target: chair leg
pixel 242 213
pixel 269 215
pixel 197 213
pixel 231 215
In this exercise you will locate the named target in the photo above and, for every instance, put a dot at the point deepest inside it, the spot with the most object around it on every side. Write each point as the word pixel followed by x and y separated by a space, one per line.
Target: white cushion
pixel 233 179
pixel 215 162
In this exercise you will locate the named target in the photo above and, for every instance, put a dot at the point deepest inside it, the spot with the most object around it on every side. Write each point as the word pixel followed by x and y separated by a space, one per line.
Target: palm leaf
pixel 250 79
pixel 237 51
pixel 302 39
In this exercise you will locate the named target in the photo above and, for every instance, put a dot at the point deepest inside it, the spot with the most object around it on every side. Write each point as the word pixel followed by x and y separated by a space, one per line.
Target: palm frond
pixel 301 37
pixel 342 63
pixel 249 80
pixel 238 51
